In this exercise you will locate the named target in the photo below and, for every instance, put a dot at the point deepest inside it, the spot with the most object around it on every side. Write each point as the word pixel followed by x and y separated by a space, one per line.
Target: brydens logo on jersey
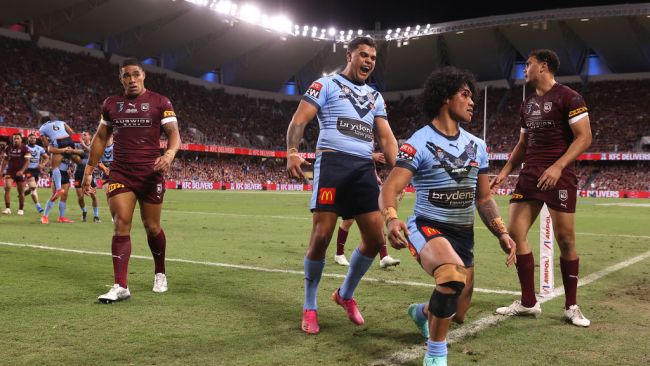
pixel 452 197
pixel 406 152
pixel 314 89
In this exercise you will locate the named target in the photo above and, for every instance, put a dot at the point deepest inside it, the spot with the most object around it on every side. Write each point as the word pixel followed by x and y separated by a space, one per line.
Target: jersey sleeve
pixel 408 156
pixel 522 120
pixel 576 107
pixel 168 114
pixel 317 93
pixel 483 162
pixel 380 107
pixel 106 117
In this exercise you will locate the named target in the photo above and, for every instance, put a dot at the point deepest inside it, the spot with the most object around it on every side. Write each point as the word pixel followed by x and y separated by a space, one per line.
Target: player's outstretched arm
pixel 387 140
pixel 394 184
pixel 97 146
pixel 516 158
pixel 489 213
pixel 164 162
pixel 304 113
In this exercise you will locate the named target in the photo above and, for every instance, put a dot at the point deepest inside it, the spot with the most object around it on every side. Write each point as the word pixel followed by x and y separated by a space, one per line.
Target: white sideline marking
pixel 625 204
pixel 260 269
pixel 418 351
pixel 479 227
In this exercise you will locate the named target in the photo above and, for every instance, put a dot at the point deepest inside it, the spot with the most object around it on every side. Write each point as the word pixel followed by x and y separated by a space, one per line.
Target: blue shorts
pixel 345 184
pixel 63 142
pixel 423 230
pixel 65 177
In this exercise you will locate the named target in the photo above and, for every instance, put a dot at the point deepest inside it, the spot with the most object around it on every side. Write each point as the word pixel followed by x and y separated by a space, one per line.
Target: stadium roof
pixel 190 38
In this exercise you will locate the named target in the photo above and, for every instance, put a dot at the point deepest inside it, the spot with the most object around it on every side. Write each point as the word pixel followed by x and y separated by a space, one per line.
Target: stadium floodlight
pixel 408 29
pixel 398 30
pixel 304 33
pixel 349 31
pixel 281 23
pixel 359 32
pixel 428 26
pixel 389 31
pixel 349 37
pixel 314 28
pixel 223 7
pixel 233 9
pixel 250 13
pixel 387 36
pixel 305 28
pixel 331 32
pixel 417 27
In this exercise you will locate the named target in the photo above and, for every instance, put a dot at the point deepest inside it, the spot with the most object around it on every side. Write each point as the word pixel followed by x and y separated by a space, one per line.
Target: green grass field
pixel 225 307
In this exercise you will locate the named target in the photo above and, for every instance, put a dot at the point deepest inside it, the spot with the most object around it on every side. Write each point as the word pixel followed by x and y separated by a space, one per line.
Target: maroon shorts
pixel 561 198
pixel 13 175
pixel 147 185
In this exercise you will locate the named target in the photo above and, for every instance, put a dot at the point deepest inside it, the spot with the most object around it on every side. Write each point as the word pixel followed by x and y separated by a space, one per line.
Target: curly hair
pixel 442 84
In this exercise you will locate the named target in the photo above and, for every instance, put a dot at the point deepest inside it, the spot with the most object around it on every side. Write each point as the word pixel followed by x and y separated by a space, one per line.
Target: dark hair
pixel 17 134
pixel 548 56
pixel 31 134
pixel 443 84
pixel 354 44
pixel 131 61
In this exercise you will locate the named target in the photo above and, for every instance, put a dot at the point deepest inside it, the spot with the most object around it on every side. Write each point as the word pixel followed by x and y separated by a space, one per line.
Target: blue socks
pixel 62 209
pixel 419 314
pixel 38 207
pixel 359 265
pixel 48 207
pixel 96 211
pixel 436 349
pixel 313 273
pixel 56 177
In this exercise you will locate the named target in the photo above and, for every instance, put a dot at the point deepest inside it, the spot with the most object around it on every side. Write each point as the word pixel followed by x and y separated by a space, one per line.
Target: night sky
pixel 363 14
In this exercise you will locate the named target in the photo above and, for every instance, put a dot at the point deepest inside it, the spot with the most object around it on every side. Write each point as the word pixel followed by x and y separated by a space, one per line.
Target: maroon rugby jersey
pixel 16 156
pixel 547 119
pixel 137 124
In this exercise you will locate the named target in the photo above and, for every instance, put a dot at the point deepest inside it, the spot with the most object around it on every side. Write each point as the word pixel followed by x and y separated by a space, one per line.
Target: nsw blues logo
pixel 361 103
pixel 459 167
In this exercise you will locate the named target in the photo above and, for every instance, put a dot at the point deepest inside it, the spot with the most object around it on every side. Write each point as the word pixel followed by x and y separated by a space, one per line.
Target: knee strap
pixel 452 276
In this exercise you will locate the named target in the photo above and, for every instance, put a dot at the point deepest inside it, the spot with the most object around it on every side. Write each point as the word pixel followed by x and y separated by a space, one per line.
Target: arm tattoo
pixel 294 135
pixel 489 213
pixel 169 128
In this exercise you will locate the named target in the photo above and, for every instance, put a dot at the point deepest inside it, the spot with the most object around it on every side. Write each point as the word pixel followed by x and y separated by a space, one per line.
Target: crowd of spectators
pixel 72 86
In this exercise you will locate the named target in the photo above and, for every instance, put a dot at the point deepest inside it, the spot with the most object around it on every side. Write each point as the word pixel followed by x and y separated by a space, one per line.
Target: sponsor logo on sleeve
pixel 326 196
pixel 314 89
pixel 406 152
pixel 114 186
pixel 169 114
pixel 577 111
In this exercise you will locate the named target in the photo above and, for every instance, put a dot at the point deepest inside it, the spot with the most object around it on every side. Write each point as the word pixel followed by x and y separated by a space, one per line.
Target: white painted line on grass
pixel 418 351
pixel 252 268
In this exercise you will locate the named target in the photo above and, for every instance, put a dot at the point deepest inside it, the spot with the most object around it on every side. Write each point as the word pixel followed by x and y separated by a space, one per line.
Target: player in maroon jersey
pixel 135 119
pixel 17 156
pixel 555 130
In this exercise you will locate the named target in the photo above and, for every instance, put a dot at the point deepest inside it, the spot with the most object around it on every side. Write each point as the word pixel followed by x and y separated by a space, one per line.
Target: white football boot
pixel 341 260
pixel 116 293
pixel 574 316
pixel 517 309
pixel 160 283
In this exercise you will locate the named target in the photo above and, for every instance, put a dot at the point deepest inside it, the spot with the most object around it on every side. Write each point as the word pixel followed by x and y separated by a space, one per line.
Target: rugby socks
pixel 313 273
pixel 38 207
pixel 96 211
pixel 121 250
pixel 359 264
pixel 48 208
pixel 157 244
pixel 570 280
pixel 419 314
pixel 436 349
pixel 56 177
pixel 62 207
pixel 383 251
pixel 526 273
pixel 341 238
pixel 83 210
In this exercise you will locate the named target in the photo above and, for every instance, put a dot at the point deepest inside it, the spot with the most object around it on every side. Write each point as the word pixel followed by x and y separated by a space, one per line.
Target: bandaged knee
pixel 452 276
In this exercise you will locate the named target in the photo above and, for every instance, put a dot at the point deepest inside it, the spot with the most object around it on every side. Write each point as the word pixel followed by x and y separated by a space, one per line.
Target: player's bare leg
pixel 20 187
pixel 465 297
pixel 564 229
pixel 150 215
pixel 122 207
pixel 323 223
pixel 32 190
pixel 439 259
pixel 7 183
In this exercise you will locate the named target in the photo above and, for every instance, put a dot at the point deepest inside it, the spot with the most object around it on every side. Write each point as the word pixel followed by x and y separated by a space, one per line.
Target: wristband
pixel 498 226
pixel 389 214
pixel 89 169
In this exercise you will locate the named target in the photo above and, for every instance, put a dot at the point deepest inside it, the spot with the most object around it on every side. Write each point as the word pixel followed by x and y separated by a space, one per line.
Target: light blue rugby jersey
pixel 36 151
pixel 107 156
pixel 346 114
pixel 445 173
pixel 54 130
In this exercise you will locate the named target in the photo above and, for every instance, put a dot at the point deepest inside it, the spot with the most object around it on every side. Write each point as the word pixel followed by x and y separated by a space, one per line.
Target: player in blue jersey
pixel 84 145
pixel 350 115
pixel 59 142
pixel 62 196
pixel 448 169
pixel 37 162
